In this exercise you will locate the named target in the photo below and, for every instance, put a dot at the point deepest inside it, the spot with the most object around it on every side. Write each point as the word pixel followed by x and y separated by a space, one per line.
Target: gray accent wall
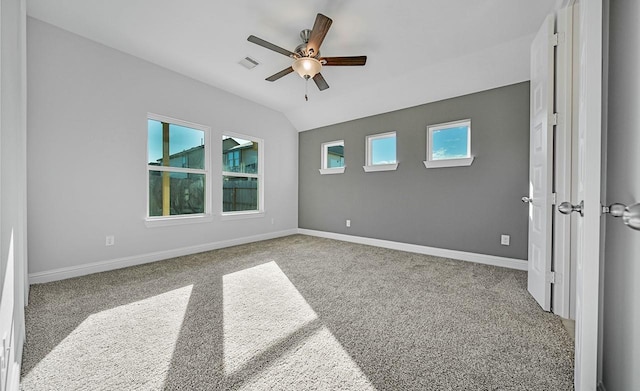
pixel 87 146
pixel 621 298
pixel 457 208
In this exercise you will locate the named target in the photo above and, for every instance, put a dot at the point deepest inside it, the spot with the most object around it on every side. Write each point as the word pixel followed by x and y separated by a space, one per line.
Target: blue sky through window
pixel 181 138
pixel 383 150
pixel 450 143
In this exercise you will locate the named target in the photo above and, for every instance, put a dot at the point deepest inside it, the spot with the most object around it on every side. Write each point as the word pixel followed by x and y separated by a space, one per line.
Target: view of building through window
pixel 335 156
pixel 177 169
pixel 240 174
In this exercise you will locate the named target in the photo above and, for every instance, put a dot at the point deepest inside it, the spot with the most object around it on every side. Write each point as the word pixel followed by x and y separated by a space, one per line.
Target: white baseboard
pixel 102 266
pixel 511 263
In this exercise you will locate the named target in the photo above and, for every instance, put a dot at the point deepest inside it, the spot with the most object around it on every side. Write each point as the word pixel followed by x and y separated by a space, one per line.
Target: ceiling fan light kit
pixel 307 67
pixel 307 61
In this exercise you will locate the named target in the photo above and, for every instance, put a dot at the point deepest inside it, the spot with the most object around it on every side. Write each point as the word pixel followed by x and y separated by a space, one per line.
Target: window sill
pixel 449 163
pixel 226 216
pixel 335 170
pixel 381 167
pixel 152 222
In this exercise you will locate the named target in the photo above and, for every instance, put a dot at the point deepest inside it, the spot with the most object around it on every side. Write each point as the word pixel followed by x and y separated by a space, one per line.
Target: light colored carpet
pixel 296 313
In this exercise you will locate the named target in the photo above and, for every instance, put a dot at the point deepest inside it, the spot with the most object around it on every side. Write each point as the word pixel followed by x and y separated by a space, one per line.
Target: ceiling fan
pixel 307 61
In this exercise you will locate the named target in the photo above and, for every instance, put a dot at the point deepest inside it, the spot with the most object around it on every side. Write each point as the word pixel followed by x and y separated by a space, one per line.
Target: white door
pixel 589 186
pixel 541 165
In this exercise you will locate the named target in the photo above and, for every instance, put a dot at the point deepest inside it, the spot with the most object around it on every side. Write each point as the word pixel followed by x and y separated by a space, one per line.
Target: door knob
pixel 630 214
pixel 527 200
pixel 566 208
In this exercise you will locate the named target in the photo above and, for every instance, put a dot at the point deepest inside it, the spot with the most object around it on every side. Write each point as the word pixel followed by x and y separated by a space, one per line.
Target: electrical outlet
pixel 110 240
pixel 348 223
pixel 505 240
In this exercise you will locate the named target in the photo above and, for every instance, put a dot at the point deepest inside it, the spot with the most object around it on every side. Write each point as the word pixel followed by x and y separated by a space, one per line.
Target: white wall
pixel 12 188
pixel 87 177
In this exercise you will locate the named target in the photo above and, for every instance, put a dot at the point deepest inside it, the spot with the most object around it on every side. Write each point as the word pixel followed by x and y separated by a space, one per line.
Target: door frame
pixel 563 287
pixel 580 89
pixel 590 102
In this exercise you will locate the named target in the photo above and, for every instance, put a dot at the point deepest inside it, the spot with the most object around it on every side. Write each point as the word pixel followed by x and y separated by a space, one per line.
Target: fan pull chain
pixel 306 89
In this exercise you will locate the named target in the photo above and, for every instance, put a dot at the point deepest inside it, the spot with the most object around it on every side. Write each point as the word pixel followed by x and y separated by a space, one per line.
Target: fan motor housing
pixel 301 49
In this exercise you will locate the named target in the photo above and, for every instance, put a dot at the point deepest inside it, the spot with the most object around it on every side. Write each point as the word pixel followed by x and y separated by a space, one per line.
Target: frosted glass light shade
pixel 307 67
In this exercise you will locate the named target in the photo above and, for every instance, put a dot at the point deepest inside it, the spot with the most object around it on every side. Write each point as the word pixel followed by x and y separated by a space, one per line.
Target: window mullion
pixel 240 174
pixel 178 169
pixel 166 179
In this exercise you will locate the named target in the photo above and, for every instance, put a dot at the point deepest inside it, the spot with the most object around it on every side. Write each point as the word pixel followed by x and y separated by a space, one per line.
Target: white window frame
pixel 207 216
pixel 369 167
pixel 455 162
pixel 244 214
pixel 324 161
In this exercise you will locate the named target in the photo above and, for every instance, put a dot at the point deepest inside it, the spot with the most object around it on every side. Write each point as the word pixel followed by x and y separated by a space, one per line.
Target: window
pixel 241 175
pixel 449 144
pixel 178 168
pixel 381 152
pixel 332 157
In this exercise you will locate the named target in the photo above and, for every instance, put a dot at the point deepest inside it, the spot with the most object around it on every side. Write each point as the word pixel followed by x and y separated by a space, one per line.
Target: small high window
pixel 241 175
pixel 332 157
pixel 449 144
pixel 381 152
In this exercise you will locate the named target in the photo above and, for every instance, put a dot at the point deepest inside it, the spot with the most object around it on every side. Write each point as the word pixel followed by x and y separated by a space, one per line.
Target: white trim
pixel 324 151
pixel 333 170
pixel 511 263
pixel 368 152
pixel 259 176
pixel 590 102
pixel 177 121
pixel 150 221
pixel 113 264
pixel 180 170
pixel 381 167
pixel 241 215
pixel 167 221
pixel 448 162
pixel 563 159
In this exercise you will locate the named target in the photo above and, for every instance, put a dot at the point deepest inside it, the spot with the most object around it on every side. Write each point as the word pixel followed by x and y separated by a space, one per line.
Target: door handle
pixel 630 214
pixel 566 208
pixel 527 200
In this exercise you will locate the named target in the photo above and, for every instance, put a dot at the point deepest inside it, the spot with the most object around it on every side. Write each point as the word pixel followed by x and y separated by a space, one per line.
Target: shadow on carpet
pixel 295 313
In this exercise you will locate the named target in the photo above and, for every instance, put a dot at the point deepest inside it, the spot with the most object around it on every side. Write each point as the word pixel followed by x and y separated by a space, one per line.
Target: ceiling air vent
pixel 248 63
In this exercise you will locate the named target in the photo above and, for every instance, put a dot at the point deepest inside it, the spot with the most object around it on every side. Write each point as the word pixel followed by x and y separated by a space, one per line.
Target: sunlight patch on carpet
pixel 128 344
pixel 270 326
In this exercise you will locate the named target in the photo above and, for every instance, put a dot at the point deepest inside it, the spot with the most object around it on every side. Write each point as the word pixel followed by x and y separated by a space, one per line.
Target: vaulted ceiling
pixel 418 50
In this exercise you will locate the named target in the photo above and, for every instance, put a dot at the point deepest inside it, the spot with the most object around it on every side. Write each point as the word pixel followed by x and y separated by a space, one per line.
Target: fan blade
pixel 320 82
pixel 278 75
pixel 319 31
pixel 270 46
pixel 344 61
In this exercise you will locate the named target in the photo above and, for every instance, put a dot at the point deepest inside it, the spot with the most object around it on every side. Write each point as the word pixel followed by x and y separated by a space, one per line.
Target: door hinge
pixel 553 119
pixel 555 39
pixel 554 198
pixel 551 277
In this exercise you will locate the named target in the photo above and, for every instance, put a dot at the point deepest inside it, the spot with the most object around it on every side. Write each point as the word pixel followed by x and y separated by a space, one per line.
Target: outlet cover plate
pixel 505 240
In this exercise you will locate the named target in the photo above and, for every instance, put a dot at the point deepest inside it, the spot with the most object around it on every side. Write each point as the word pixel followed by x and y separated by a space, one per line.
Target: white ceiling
pixel 418 50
